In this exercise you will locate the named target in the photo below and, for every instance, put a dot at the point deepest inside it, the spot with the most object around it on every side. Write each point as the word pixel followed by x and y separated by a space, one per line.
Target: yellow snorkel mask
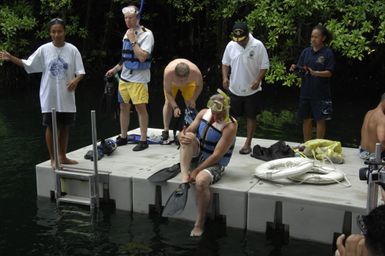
pixel 219 105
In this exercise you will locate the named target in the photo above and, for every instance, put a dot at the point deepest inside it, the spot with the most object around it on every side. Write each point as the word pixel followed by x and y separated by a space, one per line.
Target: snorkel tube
pixel 141 9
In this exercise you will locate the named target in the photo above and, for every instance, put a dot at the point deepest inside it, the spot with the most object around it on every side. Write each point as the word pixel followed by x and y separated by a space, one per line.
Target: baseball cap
pixel 240 31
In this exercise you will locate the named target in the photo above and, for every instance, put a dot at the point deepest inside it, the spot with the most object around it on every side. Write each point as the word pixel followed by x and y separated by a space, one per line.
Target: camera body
pixel 109 88
pixel 374 174
pixel 374 171
pixel 301 70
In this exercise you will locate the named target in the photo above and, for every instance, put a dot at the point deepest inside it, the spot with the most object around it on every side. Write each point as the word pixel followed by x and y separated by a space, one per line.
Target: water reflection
pixel 71 232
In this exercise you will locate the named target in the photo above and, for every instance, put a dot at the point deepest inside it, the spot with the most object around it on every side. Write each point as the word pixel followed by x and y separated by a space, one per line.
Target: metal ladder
pixel 93 177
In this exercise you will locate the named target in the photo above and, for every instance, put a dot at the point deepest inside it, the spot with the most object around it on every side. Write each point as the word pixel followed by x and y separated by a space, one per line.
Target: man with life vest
pixel 206 148
pixel 138 44
pixel 184 76
pixel 373 131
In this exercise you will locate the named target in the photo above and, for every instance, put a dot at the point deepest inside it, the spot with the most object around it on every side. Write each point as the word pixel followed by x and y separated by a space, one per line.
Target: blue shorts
pixel 315 109
pixel 249 106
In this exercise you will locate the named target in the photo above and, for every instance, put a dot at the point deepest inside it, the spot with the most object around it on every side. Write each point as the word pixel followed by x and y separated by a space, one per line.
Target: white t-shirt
pixel 146 42
pixel 245 64
pixel 58 66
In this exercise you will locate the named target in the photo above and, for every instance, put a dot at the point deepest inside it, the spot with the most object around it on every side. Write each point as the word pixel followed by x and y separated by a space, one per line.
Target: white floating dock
pixel 313 212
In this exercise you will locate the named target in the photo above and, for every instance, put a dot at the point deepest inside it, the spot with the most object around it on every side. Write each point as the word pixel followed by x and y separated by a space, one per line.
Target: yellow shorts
pixel 187 90
pixel 136 92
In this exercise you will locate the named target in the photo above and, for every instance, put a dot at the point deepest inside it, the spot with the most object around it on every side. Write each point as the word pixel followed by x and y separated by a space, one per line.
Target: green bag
pixel 323 149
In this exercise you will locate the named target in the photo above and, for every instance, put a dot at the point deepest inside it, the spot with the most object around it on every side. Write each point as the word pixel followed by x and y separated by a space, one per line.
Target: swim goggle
pixel 215 105
pixel 130 10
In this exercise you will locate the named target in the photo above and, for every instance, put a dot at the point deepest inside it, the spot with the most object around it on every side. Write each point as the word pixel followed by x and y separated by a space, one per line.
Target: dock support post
pixel 215 218
pixel 155 210
pixel 55 142
pixel 95 160
pixel 346 229
pixel 276 231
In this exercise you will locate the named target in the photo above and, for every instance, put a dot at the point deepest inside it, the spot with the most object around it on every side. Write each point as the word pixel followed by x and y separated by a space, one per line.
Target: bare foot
pixel 196 232
pixel 68 161
pixel 245 150
pixel 53 165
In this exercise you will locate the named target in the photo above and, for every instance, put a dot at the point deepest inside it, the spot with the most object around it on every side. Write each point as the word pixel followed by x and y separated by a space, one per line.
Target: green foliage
pixel 18 18
pixel 277 124
pixel 277 120
pixel 62 9
pixel 54 6
pixel 73 28
pixel 278 73
pixel 285 25
pixel 355 32
pixel 357 27
pixel 14 20
pixel 187 8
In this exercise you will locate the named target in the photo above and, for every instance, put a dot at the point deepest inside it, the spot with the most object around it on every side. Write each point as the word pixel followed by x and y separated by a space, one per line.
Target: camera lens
pixel 363 173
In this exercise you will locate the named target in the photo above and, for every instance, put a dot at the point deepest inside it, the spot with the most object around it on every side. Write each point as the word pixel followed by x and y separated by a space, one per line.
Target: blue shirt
pixel 312 87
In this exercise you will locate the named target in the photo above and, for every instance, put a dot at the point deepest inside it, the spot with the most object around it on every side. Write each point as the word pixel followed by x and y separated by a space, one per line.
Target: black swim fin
pixel 90 154
pixel 165 173
pixel 177 201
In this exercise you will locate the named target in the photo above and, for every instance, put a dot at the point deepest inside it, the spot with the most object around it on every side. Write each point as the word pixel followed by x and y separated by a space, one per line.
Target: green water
pixel 33 226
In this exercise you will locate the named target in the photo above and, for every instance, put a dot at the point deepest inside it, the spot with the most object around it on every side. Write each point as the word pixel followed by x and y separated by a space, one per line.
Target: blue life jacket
pixel 129 59
pixel 209 135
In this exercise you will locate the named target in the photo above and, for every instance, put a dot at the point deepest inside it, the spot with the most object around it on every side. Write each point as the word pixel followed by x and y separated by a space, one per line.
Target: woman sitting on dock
pixel 210 138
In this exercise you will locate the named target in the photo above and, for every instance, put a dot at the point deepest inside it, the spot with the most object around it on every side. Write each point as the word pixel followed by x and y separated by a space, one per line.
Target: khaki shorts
pixel 136 92
pixel 187 90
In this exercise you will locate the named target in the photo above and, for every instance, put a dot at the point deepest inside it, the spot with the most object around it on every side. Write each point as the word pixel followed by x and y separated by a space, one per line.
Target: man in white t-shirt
pixel 62 68
pixel 138 43
pixel 248 61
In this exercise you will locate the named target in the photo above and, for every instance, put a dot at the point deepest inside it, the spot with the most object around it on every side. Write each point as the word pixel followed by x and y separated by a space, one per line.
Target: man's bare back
pixel 170 78
pixel 373 128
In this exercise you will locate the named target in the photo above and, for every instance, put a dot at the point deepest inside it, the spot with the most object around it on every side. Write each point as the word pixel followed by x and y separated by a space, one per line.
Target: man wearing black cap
pixel 247 57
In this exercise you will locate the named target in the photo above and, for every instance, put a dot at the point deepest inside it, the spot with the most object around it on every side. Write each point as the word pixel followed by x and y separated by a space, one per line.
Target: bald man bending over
pixel 179 75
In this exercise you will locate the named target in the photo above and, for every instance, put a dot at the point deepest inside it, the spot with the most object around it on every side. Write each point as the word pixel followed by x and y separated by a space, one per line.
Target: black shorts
pixel 315 109
pixel 248 106
pixel 62 118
